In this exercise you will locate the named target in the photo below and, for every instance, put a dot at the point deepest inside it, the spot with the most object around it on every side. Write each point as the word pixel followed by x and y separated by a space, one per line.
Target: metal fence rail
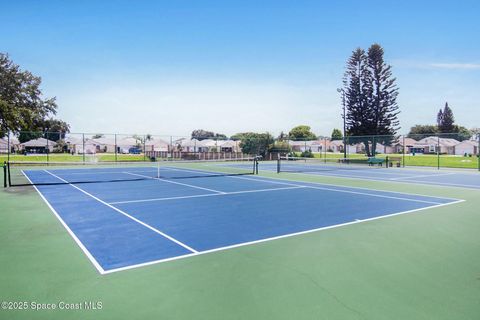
pixel 431 150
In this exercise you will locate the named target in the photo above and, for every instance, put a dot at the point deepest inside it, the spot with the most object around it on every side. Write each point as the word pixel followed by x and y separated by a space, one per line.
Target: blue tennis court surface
pixel 124 223
pixel 468 179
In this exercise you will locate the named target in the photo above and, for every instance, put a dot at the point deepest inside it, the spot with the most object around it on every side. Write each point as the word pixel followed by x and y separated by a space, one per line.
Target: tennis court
pixel 124 217
pixel 359 169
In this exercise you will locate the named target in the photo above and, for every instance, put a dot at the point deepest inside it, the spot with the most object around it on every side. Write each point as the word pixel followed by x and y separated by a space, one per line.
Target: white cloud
pixel 460 66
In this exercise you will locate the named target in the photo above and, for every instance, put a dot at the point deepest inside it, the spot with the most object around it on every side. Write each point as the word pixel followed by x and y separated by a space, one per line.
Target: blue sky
pixel 168 67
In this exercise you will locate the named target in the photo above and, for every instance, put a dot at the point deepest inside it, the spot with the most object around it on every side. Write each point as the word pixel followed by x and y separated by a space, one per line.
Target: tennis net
pixel 301 164
pixel 35 173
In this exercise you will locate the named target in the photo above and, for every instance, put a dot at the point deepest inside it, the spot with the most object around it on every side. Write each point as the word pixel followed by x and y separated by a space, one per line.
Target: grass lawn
pixel 65 157
pixel 423 160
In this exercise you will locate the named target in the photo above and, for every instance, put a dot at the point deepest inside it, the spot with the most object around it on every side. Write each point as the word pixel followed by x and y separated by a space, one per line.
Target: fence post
pixel 144 148
pixel 116 147
pixel 403 151
pixel 478 151
pixel 8 146
pixel 325 149
pixel 438 152
pixel 83 147
pixel 48 150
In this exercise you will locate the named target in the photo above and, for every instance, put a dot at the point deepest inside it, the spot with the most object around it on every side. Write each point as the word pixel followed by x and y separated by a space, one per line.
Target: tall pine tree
pixel 354 87
pixel 383 97
pixel 439 118
pixel 370 94
pixel 446 125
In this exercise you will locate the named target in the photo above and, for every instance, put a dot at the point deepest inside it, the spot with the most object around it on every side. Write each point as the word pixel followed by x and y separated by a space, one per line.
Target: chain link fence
pixel 51 147
pixel 425 150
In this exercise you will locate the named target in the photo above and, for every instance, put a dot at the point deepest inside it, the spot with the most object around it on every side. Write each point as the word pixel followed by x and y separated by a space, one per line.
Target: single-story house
pixel 156 144
pixel 469 147
pixel 385 149
pixel 301 146
pixel 186 145
pixel 229 146
pixel 398 146
pixel 434 144
pixel 127 144
pixel 320 145
pixel 12 143
pixel 337 147
pixel 102 144
pixel 208 145
pixel 73 144
pixel 3 145
pixel 40 145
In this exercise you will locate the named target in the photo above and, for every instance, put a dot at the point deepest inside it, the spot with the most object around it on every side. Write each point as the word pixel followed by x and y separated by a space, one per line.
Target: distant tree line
pixel 201 134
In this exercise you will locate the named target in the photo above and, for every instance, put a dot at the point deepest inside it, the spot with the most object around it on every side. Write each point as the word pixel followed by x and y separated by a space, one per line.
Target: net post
pixel 9 175
pixel 116 147
pixel 4 174
pixel 278 164
pixel 386 161
pixel 255 163
pixel 403 155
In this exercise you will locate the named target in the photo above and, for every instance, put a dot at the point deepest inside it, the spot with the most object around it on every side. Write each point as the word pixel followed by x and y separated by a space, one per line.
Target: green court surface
pixel 422 265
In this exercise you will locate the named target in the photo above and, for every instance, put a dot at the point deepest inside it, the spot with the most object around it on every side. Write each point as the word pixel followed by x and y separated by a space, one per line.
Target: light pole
pixel 342 92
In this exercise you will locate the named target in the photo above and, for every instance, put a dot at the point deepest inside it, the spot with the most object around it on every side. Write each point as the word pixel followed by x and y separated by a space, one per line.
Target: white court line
pixel 70 232
pixel 363 178
pixel 447 184
pixel 424 176
pixel 339 190
pixel 356 169
pixel 126 214
pixel 174 182
pixel 334 173
pixel 206 172
pixel 275 238
pixel 407 168
pixel 275 181
pixel 226 247
pixel 356 192
pixel 207 195
pixel 375 195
